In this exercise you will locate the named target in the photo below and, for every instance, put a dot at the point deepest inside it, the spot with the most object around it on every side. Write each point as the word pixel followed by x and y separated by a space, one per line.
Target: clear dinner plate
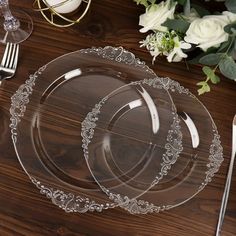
pixel 46 115
pixel 194 139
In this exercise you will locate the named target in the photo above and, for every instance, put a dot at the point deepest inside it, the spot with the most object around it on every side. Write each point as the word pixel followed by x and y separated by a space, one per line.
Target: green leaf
pixel 210 75
pixel 202 83
pixel 196 59
pixel 142 2
pixel 211 59
pixel 228 68
pixel 215 79
pixel 208 71
pixel 200 10
pixel 204 87
pixel 181 2
pixel 225 45
pixel 233 51
pixel 230 29
pixel 231 5
pixel 152 1
pixel 179 25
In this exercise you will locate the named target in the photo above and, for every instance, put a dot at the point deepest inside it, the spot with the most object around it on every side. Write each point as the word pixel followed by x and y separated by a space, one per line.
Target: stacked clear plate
pixel 90 139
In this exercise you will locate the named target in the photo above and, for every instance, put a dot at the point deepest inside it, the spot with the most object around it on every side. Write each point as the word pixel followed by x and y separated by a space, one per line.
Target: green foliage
pixel 200 10
pixel 228 67
pixel 215 79
pixel 167 42
pixel 208 71
pixel 142 2
pixel 178 25
pixel 204 87
pixel 196 59
pixel 225 46
pixel 181 2
pixel 231 5
pixel 214 58
pixel 233 50
pixel 145 3
pixel 211 76
pixel 230 29
pixel 211 59
pixel 223 60
pixel 186 6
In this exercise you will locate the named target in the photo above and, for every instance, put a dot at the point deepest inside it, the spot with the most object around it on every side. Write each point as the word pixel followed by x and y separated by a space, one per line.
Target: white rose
pixel 208 31
pixel 231 16
pixel 156 15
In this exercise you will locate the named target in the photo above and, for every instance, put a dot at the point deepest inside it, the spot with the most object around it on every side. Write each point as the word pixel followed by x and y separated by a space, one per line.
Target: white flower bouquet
pixel 178 26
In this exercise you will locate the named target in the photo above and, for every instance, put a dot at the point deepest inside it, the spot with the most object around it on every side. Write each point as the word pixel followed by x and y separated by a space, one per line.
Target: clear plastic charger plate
pixel 178 179
pixel 46 115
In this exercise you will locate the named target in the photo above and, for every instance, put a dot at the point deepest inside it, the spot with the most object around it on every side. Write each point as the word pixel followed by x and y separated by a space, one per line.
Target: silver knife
pixel 228 181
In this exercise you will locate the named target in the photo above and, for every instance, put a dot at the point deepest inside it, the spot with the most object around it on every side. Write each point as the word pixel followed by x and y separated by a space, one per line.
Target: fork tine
pixel 13 56
pixel 9 55
pixel 5 55
pixel 16 57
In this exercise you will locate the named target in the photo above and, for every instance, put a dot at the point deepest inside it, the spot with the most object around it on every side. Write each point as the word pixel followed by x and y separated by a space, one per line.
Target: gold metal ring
pixel 49 13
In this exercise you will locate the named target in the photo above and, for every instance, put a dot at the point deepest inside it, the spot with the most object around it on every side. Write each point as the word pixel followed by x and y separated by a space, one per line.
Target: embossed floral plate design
pixel 179 179
pixel 46 115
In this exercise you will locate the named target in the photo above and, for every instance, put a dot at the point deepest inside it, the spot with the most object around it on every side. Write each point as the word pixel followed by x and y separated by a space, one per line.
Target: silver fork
pixel 228 181
pixel 9 61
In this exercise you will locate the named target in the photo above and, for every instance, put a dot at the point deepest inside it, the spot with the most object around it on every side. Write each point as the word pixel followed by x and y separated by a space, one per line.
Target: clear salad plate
pixel 134 130
pixel 196 151
pixel 46 115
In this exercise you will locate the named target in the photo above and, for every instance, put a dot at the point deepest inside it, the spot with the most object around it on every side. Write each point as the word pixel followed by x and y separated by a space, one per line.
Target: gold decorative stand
pixel 58 19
